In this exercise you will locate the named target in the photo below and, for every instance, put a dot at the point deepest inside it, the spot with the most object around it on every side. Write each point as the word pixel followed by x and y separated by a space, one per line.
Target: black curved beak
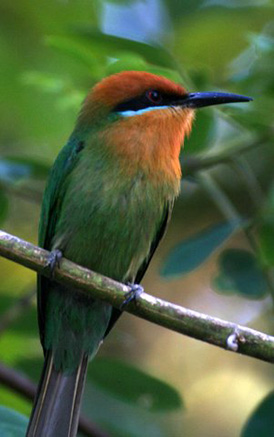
pixel 199 100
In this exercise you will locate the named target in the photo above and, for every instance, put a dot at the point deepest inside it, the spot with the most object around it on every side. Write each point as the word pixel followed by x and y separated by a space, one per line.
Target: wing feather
pixel 141 272
pixel 51 206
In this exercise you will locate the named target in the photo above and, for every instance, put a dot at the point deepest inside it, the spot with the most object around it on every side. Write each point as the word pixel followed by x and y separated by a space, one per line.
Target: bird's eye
pixel 154 96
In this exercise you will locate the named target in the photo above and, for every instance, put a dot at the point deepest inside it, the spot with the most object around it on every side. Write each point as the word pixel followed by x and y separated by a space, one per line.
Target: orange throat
pixel 151 142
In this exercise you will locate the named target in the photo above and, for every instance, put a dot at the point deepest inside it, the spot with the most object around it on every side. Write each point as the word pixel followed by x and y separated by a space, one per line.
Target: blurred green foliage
pixel 240 273
pixel 133 385
pixel 51 54
pixel 12 423
pixel 260 422
pixel 191 253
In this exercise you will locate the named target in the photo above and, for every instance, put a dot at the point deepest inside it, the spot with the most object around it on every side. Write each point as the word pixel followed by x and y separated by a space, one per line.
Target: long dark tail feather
pixel 57 405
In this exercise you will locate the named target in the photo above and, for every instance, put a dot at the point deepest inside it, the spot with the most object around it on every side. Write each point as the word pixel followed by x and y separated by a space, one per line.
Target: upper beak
pixel 199 100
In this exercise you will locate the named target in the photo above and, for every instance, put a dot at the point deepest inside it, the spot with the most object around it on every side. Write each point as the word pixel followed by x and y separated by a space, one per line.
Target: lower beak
pixel 199 100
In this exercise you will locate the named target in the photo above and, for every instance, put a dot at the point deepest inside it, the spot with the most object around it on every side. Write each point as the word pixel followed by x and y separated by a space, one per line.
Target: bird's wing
pixel 142 270
pixel 50 211
pixel 55 189
pixel 159 235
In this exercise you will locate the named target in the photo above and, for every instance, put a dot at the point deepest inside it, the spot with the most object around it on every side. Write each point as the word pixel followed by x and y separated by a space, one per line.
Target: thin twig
pixel 227 208
pixel 197 325
pixel 24 191
pixel 191 165
pixel 218 196
pixel 257 196
pixel 249 179
pixel 25 387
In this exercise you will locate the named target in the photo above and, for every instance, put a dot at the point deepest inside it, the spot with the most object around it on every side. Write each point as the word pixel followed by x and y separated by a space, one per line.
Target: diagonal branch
pixel 212 330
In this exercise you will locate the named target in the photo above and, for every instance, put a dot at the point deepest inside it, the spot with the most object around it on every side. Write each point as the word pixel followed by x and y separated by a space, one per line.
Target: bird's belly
pixel 110 232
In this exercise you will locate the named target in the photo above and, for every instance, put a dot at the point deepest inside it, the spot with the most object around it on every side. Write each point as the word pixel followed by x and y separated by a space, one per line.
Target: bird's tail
pixel 57 405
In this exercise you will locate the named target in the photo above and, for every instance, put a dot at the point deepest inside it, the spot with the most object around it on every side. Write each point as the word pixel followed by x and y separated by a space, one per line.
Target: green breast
pixel 109 219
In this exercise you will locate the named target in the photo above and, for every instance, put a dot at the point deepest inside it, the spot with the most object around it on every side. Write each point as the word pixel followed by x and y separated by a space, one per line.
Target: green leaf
pixel 133 61
pixel 69 96
pixel 71 100
pixel 107 411
pixel 236 3
pixel 15 169
pixel 192 252
pixel 73 49
pixel 4 204
pixel 266 236
pixel 132 385
pixel 126 61
pixel 110 45
pixel 12 424
pixel 45 81
pixel 240 273
pixel 261 421
pixel 266 230
pixel 14 401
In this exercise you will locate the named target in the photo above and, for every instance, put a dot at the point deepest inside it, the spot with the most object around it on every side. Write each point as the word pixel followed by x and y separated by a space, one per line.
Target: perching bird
pixel 106 206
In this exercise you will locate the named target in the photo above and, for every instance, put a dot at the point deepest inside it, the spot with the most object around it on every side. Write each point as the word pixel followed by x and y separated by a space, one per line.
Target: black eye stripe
pixel 143 101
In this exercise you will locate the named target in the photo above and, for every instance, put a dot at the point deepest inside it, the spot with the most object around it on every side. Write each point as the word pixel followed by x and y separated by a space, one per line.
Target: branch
pixel 212 330
pixel 194 164
pixel 23 191
pixel 24 386
pixel 191 165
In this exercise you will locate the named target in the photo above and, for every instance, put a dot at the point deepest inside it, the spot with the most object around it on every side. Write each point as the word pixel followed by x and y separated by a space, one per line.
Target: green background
pixel 218 255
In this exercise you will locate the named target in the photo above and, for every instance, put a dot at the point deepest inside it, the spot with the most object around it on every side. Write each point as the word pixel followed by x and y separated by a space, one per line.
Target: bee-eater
pixel 106 206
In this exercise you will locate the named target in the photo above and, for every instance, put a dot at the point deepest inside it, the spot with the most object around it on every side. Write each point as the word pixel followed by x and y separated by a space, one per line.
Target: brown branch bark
pixel 203 327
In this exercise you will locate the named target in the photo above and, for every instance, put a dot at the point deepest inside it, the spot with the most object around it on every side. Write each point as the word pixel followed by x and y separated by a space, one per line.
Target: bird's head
pixel 146 116
pixel 133 93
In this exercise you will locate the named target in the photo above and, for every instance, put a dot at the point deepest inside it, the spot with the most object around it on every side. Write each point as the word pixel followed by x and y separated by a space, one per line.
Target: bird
pixel 106 206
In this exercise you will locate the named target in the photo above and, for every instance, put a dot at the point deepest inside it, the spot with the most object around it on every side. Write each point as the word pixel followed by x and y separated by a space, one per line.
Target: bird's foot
pixel 133 295
pixel 53 261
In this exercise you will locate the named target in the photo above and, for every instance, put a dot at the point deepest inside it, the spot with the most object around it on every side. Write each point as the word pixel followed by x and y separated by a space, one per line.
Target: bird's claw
pixel 53 261
pixel 133 295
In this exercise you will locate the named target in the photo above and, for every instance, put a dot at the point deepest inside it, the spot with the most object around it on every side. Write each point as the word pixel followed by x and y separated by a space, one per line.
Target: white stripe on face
pixel 131 113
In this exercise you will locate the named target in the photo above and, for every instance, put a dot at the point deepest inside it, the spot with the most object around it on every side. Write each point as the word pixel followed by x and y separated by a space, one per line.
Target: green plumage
pixel 104 218
pixel 106 209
